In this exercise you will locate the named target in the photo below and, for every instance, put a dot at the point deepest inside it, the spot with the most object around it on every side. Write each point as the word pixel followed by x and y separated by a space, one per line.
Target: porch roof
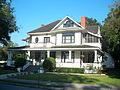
pixel 55 48
pixel 74 46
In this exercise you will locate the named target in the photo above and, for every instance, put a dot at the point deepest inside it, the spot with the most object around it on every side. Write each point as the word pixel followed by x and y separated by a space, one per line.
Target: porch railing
pixel 26 65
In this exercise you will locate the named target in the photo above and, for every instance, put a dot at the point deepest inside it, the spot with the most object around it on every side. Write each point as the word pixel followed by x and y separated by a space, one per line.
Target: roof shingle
pixel 46 28
pixel 92 29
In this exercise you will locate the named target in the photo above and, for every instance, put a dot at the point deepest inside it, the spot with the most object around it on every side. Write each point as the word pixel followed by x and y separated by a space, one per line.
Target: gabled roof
pixel 53 25
pixel 46 28
pixel 93 29
pixel 67 17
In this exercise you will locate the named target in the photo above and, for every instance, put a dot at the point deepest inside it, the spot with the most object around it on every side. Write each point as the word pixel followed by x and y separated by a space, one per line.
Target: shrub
pixel 9 68
pixel 70 70
pixel 20 62
pixel 49 64
pixel 35 71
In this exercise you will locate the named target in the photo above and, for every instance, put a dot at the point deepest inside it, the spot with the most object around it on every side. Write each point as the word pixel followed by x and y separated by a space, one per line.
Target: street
pixel 4 86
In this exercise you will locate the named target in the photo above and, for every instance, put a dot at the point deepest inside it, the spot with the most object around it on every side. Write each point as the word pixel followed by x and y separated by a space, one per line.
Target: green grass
pixel 82 79
pixel 6 72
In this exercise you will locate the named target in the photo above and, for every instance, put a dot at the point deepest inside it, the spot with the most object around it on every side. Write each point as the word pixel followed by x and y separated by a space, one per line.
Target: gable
pixel 67 22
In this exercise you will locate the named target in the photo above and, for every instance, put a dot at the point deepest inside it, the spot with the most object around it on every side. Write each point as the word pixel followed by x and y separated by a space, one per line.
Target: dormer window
pixel 36 40
pixel 68 24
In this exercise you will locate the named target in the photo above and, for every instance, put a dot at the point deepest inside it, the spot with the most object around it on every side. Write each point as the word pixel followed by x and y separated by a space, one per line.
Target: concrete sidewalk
pixel 71 86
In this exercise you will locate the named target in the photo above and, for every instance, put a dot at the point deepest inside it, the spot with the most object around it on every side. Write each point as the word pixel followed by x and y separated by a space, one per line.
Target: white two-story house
pixel 70 43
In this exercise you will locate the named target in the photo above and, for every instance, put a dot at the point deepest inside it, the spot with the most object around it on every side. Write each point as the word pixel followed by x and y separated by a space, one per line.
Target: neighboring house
pixel 71 44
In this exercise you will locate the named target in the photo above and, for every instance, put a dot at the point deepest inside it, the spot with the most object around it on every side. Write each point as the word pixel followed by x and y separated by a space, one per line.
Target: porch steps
pixel 32 68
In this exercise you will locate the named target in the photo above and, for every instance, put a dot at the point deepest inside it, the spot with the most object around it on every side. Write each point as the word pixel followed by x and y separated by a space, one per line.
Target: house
pixel 70 43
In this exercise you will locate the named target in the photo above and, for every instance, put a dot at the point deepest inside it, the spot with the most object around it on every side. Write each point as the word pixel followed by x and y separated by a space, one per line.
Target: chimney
pixel 42 25
pixel 83 22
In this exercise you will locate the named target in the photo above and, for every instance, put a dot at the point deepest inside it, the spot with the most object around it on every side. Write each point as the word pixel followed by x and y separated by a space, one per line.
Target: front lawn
pixel 7 71
pixel 82 79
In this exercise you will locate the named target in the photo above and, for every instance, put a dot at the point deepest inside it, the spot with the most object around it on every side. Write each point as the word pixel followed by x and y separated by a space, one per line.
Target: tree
pixel 3 50
pixel 3 54
pixel 111 32
pixel 7 21
pixel 92 22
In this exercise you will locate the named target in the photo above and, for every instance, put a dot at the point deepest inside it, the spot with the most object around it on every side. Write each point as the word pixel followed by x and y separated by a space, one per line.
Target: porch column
pixel 48 54
pixel 28 55
pixel 70 55
pixel 9 60
pixel 95 54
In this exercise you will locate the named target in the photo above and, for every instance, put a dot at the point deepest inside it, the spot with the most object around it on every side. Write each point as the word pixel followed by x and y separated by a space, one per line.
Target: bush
pixel 70 70
pixel 20 62
pixel 8 68
pixel 49 64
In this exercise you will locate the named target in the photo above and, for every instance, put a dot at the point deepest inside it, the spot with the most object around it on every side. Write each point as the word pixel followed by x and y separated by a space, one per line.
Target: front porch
pixel 75 58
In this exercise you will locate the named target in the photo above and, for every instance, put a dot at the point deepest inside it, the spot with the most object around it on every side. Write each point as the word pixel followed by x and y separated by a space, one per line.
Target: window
pixel 46 39
pixel 65 56
pixel 88 57
pixel 68 38
pixel 69 23
pixel 36 40
pixel 91 39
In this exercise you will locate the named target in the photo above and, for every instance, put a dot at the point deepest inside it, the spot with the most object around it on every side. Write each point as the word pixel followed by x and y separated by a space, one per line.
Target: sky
pixel 30 14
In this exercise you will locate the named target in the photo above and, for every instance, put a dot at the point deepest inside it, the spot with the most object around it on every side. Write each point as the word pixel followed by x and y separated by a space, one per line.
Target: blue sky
pixel 30 14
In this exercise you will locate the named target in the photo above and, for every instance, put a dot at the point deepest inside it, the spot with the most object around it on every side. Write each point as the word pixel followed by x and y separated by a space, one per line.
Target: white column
pixel 28 55
pixel 95 59
pixel 70 55
pixel 48 54
pixel 9 60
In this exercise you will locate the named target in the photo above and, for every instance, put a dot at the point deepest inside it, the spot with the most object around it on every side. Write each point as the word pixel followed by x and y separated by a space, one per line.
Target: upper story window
pixel 68 37
pixel 36 40
pixel 91 39
pixel 46 39
pixel 68 24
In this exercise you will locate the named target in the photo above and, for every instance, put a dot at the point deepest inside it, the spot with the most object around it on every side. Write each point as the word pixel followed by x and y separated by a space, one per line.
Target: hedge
pixel 70 70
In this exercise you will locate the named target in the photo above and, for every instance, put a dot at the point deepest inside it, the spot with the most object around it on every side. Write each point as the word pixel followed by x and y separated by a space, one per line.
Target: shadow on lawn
pixel 67 78
pixel 113 72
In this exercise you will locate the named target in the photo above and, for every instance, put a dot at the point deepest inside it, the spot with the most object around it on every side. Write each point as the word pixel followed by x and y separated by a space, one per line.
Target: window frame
pixel 91 39
pixel 46 39
pixel 68 24
pixel 65 37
